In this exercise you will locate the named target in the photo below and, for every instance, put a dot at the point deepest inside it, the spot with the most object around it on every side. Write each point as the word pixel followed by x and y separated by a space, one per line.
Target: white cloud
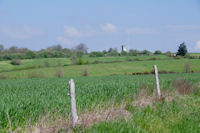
pixel 66 41
pixel 109 27
pixel 71 35
pixel 72 31
pixel 183 27
pixel 22 33
pixel 135 31
pixel 197 45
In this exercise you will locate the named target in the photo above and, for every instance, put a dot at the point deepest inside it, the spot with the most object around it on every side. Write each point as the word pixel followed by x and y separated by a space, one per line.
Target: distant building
pixel 124 48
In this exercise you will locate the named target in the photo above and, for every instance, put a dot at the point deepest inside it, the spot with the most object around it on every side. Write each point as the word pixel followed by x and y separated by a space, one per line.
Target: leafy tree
pixel 30 55
pixel 15 49
pixel 133 52
pixel 104 52
pixel 74 59
pixel 1 47
pixel 110 50
pixel 146 52
pixel 182 50
pixel 81 47
pixel 16 62
pixel 168 53
pixel 80 61
pixel 96 54
pixel 157 52
pixel 55 47
pixel 79 53
pixel 124 53
pixel 113 52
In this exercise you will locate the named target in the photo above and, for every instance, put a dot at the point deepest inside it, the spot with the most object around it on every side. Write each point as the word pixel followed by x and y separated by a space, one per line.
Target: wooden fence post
pixel 73 102
pixel 157 81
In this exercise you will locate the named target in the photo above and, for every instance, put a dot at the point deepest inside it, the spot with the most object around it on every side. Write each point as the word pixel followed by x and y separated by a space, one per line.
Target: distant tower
pixel 124 48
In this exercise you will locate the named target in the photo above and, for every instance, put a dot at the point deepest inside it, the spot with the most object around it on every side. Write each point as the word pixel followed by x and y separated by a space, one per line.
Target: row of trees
pixel 57 51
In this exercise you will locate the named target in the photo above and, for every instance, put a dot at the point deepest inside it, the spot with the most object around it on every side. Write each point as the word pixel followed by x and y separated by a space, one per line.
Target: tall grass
pixel 26 100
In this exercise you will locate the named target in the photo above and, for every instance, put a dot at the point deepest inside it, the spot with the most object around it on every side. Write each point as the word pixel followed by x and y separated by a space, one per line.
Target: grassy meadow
pixel 106 66
pixel 109 99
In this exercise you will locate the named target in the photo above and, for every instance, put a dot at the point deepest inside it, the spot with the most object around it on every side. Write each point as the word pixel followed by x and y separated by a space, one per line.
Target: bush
pixel 146 72
pixel 2 76
pixel 154 58
pixel 187 67
pixel 177 57
pixel 146 52
pixel 74 60
pixel 59 72
pixel 183 86
pixel 36 75
pixel 137 59
pixel 46 64
pixel 133 52
pixel 96 62
pixel 85 72
pixel 193 57
pixel 16 62
pixel 128 59
pixel 157 52
pixel 96 54
pixel 163 72
pixel 168 53
pixel 87 62
pixel 80 61
pixel 79 53
pixel 124 53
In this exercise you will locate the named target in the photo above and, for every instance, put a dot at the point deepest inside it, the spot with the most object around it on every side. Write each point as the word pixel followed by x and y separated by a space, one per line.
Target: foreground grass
pixel 177 116
pixel 27 100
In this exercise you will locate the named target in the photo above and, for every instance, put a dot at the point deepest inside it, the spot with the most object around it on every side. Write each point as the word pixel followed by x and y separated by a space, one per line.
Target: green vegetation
pixel 182 50
pixel 27 100
pixel 101 82
pixel 120 66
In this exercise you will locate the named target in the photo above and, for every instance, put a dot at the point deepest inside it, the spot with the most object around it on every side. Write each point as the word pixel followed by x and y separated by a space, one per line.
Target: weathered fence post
pixel 157 81
pixel 73 102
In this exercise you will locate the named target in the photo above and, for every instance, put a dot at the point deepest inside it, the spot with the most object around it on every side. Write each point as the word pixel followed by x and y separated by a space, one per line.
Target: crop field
pixel 26 101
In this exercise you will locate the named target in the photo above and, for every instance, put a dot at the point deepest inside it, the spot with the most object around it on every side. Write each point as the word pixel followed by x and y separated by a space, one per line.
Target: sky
pixel 101 24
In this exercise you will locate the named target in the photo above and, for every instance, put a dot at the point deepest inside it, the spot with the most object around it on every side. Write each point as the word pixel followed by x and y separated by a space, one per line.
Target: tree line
pixel 57 51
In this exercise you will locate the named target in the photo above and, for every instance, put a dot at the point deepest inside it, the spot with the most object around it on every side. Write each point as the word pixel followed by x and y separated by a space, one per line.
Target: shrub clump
pixel 80 61
pixel 59 72
pixel 46 64
pixel 96 62
pixel 2 76
pixel 16 62
pixel 183 86
pixel 187 67
pixel 137 59
pixel 85 72
pixel 154 58
pixel 36 75
pixel 74 60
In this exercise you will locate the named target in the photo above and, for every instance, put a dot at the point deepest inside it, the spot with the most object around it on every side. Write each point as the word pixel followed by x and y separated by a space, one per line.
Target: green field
pixel 52 62
pixel 27 100
pixel 195 54
pixel 107 66
pixel 110 86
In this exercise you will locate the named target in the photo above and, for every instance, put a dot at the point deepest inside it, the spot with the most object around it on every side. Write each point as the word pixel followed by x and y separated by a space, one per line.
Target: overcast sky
pixel 101 24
